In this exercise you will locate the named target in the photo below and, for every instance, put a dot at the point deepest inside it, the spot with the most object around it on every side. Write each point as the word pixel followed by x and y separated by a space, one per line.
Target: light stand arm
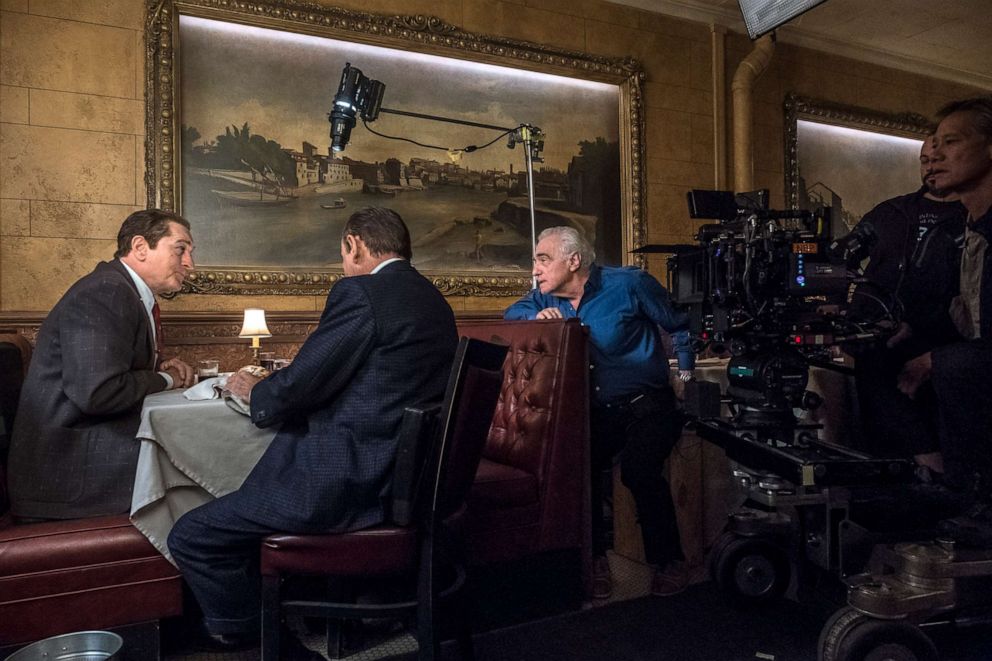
pixel 450 120
pixel 524 134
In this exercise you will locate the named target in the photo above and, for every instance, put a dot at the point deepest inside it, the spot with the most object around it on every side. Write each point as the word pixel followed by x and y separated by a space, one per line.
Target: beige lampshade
pixel 254 324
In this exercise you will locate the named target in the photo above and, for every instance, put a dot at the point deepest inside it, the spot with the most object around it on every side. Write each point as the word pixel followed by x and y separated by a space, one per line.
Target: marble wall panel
pixel 678 97
pixel 86 111
pixel 78 220
pixel 703 139
pixel 37 271
pixel 669 215
pixel 15 217
pixel 119 13
pixel 14 107
pixel 667 171
pixel 528 24
pixel 669 134
pixel 602 12
pixel 577 8
pixel 54 54
pixel 66 165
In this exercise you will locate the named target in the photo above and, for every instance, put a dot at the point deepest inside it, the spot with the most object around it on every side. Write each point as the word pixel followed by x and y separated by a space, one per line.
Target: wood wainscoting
pixel 195 336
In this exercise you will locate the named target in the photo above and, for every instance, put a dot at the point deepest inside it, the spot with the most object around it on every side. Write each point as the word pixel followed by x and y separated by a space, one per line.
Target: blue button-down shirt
pixel 623 308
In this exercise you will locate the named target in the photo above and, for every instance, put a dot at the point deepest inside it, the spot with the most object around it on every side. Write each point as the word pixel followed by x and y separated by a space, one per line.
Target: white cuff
pixel 169 383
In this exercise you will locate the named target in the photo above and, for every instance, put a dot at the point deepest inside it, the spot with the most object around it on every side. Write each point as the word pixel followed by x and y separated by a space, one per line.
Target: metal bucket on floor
pixel 79 646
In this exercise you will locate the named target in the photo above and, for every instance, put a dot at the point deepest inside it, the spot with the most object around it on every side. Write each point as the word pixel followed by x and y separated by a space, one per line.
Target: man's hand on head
pixel 549 313
pixel 241 383
pixel 181 373
pixel 914 374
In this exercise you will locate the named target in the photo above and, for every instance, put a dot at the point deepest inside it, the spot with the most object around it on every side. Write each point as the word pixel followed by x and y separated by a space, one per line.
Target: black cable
pixel 493 141
pixel 469 149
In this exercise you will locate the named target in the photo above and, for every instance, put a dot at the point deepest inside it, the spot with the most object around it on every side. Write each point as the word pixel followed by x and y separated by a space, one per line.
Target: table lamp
pixel 255 328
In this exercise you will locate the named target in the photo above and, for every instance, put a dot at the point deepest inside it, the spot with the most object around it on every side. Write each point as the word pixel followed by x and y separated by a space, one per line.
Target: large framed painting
pixel 849 159
pixel 239 142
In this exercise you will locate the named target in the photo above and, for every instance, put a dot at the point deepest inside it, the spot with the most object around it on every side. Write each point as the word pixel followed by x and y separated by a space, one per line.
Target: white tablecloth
pixel 191 452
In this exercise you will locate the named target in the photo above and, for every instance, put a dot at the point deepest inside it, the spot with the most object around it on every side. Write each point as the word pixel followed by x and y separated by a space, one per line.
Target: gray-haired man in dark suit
pixel 98 353
pixel 385 341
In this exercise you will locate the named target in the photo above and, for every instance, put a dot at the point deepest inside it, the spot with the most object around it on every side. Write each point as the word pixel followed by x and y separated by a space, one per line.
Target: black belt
pixel 664 397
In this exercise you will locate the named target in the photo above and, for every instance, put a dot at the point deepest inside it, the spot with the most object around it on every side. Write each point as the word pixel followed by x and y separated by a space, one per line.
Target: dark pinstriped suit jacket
pixel 73 451
pixel 384 342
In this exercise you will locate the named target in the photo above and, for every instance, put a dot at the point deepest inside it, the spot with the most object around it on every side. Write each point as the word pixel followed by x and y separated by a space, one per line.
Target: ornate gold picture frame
pixel 849 158
pixel 237 140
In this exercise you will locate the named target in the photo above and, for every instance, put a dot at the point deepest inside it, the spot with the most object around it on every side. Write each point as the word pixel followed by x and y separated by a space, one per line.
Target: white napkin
pixel 207 389
pixel 238 404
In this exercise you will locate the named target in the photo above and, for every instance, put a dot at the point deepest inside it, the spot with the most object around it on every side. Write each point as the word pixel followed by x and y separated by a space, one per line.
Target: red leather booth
pixel 62 576
pixel 531 493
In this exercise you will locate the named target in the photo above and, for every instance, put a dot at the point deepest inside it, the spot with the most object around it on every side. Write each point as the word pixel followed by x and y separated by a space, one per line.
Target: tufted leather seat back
pixel 531 489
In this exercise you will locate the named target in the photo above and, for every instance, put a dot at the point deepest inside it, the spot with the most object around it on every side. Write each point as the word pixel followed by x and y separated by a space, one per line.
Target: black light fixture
pixel 356 95
pixel 761 16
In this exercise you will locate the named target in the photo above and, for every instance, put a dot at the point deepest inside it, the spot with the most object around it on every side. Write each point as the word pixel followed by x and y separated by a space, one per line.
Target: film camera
pixel 770 287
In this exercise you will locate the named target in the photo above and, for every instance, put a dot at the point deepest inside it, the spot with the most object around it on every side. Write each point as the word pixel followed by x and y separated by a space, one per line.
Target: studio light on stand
pixel 254 327
pixel 360 96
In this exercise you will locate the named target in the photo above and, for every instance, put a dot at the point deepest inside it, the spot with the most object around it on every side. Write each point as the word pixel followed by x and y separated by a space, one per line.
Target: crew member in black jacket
pixel 958 371
pixel 892 424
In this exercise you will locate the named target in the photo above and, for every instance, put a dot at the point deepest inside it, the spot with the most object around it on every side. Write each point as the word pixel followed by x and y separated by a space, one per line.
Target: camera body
pixel 770 287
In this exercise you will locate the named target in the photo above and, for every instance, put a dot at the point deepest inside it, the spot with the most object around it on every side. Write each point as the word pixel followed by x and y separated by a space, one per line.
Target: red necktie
pixel 159 340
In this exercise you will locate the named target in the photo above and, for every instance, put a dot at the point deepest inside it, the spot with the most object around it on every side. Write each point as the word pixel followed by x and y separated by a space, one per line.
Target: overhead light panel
pixel 761 16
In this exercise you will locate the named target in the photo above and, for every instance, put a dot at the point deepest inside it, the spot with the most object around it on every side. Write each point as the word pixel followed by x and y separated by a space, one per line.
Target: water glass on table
pixel 266 359
pixel 207 368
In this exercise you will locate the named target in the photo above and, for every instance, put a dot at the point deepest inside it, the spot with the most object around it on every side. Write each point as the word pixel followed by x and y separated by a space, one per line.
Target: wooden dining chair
pixel 438 456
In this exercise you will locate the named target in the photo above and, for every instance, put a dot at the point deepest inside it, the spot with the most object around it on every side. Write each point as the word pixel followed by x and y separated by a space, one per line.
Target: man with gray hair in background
pixel 634 413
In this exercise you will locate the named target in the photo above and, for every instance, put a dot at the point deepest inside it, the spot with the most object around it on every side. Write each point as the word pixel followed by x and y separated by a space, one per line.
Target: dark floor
pixel 699 624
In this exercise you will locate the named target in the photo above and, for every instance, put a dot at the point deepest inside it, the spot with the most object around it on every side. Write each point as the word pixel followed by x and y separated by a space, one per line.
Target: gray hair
pixel 980 109
pixel 571 242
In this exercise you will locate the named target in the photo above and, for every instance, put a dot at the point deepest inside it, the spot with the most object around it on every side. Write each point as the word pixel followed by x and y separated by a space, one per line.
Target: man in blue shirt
pixel 634 413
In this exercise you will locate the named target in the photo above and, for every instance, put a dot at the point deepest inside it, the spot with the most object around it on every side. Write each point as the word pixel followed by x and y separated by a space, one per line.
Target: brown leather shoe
pixel 602 579
pixel 670 580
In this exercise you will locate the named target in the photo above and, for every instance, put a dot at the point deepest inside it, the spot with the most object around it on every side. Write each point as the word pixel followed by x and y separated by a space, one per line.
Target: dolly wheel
pixel 853 636
pixel 752 570
pixel 716 552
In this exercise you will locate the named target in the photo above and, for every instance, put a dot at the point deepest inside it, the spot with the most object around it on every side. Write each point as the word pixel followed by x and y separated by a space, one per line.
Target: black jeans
pixel 960 377
pixel 892 424
pixel 641 432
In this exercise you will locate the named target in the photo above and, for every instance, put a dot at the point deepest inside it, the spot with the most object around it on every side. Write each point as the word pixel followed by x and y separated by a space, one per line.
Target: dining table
pixel 192 451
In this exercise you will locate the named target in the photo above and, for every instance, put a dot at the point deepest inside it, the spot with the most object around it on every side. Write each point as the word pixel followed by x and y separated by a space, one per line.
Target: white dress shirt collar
pixel 382 264
pixel 148 300
pixel 144 291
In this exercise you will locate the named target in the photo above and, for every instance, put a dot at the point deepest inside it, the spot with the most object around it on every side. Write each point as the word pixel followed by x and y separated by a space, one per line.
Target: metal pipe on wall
pixel 742 88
